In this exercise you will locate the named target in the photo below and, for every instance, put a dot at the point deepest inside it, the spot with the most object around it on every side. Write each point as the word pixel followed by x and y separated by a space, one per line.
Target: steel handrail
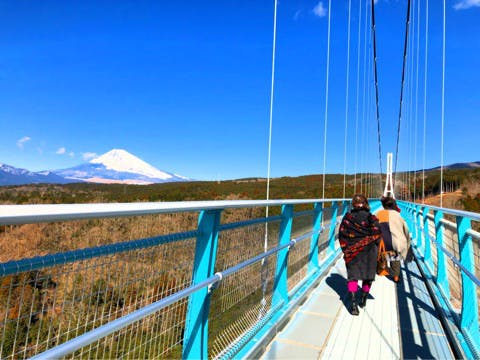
pixel 22 214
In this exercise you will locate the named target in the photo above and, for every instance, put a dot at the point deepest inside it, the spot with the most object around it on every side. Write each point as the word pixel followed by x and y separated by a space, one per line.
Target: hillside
pixel 462 186
pixel 309 186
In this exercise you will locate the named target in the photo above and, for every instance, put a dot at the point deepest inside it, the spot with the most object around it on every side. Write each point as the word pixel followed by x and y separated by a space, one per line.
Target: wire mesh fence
pixel 450 243
pixel 298 255
pixel 476 259
pixel 433 245
pixel 476 255
pixel 29 240
pixel 48 306
pixel 244 298
pixel 158 336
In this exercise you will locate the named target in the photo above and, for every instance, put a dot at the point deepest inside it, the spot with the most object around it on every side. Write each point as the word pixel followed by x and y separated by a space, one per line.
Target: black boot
pixel 354 308
pixel 363 299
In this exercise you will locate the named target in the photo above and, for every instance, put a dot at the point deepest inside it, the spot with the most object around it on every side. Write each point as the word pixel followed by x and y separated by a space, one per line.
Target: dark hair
pixel 360 201
pixel 389 203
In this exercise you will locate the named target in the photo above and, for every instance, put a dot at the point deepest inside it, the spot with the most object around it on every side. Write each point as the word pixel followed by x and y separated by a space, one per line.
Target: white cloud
pixel 89 156
pixel 61 151
pixel 466 4
pixel 320 10
pixel 22 141
pixel 71 154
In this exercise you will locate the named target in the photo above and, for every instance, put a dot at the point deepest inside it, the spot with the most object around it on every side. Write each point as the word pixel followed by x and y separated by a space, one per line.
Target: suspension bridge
pixel 240 278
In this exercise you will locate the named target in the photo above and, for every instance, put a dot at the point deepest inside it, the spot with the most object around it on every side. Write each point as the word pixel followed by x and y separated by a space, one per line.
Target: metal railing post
pixel 280 289
pixel 426 240
pixel 333 224
pixel 442 275
pixel 469 315
pixel 196 328
pixel 416 233
pixel 344 208
pixel 410 224
pixel 419 234
pixel 317 227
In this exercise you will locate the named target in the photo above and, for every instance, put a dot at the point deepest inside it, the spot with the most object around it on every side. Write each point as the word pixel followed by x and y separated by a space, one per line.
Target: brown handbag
pixel 382 264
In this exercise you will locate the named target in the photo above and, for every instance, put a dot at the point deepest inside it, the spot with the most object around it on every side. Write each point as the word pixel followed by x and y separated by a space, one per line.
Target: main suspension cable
pixel 407 25
pixel 376 84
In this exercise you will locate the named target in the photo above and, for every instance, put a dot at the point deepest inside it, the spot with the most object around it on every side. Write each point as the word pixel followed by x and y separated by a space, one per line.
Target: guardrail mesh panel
pixel 476 255
pixel 43 308
pixel 243 298
pixel 29 240
pixel 299 254
pixel 157 336
pixel 454 273
pixel 323 237
pixel 327 214
pixel 476 259
pixel 322 245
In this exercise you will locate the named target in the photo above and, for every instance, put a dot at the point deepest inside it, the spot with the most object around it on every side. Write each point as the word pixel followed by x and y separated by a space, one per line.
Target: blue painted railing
pixel 452 273
pixel 188 335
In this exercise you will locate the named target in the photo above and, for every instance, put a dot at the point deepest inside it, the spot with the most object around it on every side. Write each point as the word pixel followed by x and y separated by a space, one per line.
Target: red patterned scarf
pixel 355 235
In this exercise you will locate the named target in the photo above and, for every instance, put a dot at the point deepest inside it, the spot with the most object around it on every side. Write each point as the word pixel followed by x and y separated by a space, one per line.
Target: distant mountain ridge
pixel 115 166
pixel 10 175
pixel 456 166
pixel 119 166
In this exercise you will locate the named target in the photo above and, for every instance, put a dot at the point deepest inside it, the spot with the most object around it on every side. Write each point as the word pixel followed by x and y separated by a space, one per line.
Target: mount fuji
pixel 118 166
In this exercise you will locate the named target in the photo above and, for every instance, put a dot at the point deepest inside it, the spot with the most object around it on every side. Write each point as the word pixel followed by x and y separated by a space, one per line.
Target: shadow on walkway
pixel 413 325
pixel 339 284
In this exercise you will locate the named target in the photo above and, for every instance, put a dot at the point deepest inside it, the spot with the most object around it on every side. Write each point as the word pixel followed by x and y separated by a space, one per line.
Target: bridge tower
pixel 389 180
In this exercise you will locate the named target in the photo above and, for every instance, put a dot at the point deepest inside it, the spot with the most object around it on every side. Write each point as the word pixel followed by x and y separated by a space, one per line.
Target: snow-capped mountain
pixel 118 166
pixel 10 175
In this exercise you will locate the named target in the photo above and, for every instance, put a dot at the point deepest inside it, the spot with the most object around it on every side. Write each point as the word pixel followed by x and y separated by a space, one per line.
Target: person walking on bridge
pixel 396 235
pixel 359 237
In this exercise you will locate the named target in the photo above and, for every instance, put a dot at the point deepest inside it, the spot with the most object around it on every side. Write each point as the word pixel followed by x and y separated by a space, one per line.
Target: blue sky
pixel 185 85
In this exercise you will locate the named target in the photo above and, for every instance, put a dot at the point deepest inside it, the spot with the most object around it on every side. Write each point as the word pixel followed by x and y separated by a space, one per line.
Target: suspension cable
pixel 443 99
pixel 358 92
pixel 346 101
pixel 376 84
pixel 425 101
pixel 326 100
pixel 411 89
pixel 366 122
pixel 365 66
pixel 407 25
pixel 271 117
pixel 416 108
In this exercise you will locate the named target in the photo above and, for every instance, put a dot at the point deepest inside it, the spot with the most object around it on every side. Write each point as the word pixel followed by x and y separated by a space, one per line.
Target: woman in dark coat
pixel 359 237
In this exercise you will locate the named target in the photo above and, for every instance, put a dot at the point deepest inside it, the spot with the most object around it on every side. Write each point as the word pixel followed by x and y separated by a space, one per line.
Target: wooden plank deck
pixel 398 322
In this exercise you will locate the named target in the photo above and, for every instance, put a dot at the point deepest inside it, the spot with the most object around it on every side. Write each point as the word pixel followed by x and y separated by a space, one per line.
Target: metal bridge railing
pixel 167 280
pixel 447 246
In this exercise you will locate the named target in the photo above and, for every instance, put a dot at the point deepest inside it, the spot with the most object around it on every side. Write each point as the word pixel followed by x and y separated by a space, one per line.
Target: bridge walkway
pixel 399 321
